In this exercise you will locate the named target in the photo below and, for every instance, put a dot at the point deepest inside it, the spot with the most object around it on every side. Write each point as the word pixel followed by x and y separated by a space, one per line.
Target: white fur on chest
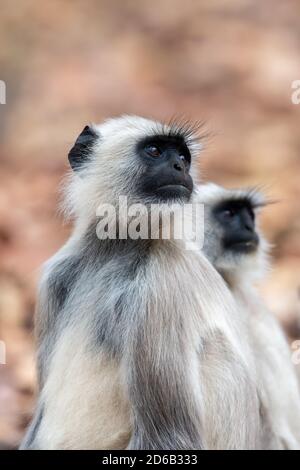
pixel 84 402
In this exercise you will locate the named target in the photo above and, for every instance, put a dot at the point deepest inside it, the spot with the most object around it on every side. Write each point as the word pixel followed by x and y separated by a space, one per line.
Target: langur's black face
pixel 237 220
pixel 166 161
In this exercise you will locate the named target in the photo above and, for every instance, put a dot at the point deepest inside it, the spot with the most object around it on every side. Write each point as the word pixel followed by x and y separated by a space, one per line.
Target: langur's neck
pixel 95 247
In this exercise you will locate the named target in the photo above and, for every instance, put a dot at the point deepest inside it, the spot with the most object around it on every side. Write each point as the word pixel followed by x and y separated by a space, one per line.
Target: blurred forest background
pixel 66 64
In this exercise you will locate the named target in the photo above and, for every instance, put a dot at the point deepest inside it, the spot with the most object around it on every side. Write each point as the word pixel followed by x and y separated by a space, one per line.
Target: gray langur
pixel 235 246
pixel 139 342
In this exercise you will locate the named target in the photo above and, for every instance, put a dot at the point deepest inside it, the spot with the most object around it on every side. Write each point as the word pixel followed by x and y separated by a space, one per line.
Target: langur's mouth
pixel 174 190
pixel 241 242
pixel 249 246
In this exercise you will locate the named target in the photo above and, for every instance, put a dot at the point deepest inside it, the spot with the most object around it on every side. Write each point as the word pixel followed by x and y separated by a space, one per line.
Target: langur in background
pixel 236 247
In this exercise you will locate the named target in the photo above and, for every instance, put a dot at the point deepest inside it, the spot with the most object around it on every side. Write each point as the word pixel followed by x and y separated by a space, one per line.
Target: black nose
pixel 178 167
pixel 178 163
pixel 249 223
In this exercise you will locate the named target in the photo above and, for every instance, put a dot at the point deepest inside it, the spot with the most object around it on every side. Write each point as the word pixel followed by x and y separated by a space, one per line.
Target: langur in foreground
pixel 140 345
pixel 236 247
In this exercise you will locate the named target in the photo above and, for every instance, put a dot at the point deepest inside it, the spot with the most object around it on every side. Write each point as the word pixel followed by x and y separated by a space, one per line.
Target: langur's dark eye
pixel 229 213
pixel 153 151
pixel 185 161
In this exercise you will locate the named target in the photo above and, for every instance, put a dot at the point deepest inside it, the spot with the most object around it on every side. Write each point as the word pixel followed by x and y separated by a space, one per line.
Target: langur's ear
pixel 81 151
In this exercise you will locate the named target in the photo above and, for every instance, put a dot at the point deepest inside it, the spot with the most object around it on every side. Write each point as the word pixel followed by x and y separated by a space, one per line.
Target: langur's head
pixel 233 242
pixel 146 161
